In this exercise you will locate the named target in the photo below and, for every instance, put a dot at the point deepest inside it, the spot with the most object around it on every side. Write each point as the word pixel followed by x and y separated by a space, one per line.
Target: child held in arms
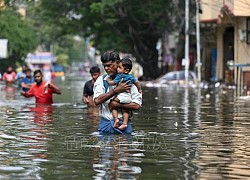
pixel 123 69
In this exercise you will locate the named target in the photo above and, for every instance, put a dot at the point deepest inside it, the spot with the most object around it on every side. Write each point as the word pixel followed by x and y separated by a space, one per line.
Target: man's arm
pixel 134 105
pixel 24 94
pixel 121 87
pixel 84 94
pixel 85 97
pixel 27 94
pixel 23 85
pixel 130 106
pixel 104 97
pixel 54 88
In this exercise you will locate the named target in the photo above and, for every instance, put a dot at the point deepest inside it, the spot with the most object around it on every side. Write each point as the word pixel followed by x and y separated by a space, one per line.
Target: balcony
pixel 215 10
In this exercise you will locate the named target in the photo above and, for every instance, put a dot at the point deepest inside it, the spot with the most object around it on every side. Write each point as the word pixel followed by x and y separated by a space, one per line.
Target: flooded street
pixel 178 134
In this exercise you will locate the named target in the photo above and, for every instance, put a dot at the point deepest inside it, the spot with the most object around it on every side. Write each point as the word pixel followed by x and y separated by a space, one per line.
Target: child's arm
pixel 138 85
pixel 110 81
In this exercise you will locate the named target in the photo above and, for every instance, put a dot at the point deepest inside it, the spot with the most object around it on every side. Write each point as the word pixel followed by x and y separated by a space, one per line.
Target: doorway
pixel 228 53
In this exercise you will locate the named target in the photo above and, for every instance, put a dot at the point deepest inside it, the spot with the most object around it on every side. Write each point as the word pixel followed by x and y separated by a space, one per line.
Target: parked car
pixel 173 78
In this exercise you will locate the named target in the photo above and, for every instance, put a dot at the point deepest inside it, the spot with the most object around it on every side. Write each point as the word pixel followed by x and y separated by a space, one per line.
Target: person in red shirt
pixel 41 90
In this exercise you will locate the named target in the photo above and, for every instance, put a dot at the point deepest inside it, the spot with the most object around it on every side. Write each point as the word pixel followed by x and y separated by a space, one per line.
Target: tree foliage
pixel 21 37
pixel 123 25
pixel 73 47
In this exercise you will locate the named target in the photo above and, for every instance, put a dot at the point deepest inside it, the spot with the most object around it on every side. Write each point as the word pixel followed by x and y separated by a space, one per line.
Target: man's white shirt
pixel 104 107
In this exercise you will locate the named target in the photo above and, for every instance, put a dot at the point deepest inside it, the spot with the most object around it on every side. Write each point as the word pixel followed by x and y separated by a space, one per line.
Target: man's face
pixel 95 76
pixel 110 68
pixel 38 78
pixel 28 74
pixel 9 69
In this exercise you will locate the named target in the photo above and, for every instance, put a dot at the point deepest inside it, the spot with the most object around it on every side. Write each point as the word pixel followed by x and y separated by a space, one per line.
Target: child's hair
pixel 126 63
pixel 94 69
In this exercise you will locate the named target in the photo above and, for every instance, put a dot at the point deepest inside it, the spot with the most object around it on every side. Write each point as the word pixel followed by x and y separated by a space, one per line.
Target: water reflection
pixel 8 91
pixel 41 113
pixel 92 114
pixel 190 120
pixel 24 140
pixel 37 136
pixel 116 158
pixel 178 134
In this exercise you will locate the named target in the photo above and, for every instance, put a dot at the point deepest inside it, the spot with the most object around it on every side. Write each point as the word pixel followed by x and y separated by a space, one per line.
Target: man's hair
pixel 126 63
pixel 37 71
pixel 94 69
pixel 28 70
pixel 110 56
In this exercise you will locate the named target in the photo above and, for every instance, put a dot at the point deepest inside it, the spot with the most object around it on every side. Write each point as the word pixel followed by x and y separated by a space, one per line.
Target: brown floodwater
pixel 179 133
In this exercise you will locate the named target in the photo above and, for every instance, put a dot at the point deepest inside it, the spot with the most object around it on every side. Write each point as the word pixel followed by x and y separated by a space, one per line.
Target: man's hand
pixel 85 100
pixel 23 93
pixel 51 86
pixel 46 86
pixel 122 87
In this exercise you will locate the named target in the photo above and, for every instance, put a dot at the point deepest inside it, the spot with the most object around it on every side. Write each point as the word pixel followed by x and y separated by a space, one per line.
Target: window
pixel 248 31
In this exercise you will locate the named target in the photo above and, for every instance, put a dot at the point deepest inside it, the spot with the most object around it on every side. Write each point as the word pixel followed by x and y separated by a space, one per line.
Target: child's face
pixel 121 69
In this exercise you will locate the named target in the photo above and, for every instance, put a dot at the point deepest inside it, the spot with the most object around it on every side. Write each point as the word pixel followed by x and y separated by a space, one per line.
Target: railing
pixel 239 76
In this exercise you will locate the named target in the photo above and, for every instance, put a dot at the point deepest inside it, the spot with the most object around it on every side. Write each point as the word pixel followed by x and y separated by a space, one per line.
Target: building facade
pixel 232 21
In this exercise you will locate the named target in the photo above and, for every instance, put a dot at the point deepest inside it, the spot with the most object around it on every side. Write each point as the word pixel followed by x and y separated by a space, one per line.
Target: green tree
pixel 21 37
pixel 123 25
pixel 54 36
pixel 68 45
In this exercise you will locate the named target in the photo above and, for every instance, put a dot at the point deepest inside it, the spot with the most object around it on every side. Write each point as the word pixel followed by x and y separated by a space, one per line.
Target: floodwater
pixel 178 134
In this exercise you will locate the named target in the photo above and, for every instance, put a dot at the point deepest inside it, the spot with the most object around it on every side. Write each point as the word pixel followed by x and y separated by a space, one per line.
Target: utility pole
pixel 198 48
pixel 186 40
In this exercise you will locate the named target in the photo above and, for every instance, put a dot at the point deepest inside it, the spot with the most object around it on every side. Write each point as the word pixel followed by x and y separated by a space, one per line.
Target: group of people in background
pixel 41 89
pixel 31 85
pixel 116 93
